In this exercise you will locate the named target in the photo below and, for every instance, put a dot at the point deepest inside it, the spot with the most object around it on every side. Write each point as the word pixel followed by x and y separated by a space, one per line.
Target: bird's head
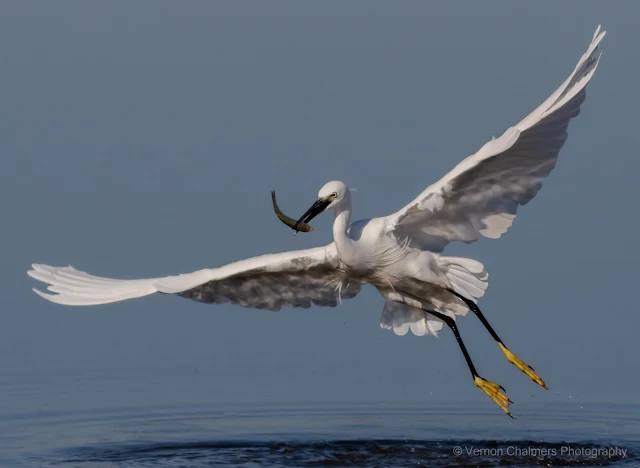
pixel 331 194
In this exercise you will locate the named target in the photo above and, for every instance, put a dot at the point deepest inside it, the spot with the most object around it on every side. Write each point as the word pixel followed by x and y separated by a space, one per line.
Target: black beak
pixel 318 207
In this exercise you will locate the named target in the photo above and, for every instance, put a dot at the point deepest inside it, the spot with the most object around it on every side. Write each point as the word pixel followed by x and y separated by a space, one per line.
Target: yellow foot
pixel 495 392
pixel 523 366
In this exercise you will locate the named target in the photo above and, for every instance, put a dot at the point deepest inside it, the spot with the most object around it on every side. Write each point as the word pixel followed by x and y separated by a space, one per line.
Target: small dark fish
pixel 301 227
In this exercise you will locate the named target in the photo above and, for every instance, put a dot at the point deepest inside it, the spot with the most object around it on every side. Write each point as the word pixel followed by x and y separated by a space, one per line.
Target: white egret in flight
pixel 399 254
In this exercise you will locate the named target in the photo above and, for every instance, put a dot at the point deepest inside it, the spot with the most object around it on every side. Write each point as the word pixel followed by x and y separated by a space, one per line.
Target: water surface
pixel 345 434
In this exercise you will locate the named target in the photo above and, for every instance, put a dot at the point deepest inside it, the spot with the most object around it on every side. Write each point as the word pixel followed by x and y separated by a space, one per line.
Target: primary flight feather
pixel 398 254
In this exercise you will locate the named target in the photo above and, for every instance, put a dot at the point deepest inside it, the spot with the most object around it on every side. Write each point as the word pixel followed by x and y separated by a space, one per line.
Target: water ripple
pixel 354 453
pixel 198 435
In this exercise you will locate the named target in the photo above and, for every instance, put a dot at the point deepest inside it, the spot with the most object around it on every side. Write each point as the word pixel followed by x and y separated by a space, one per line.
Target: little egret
pixel 399 254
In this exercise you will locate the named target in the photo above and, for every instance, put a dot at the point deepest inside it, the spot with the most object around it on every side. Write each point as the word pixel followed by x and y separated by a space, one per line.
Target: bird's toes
pixel 523 366
pixel 495 392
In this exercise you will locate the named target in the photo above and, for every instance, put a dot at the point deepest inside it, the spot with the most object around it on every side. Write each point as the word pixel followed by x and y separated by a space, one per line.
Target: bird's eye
pixel 334 195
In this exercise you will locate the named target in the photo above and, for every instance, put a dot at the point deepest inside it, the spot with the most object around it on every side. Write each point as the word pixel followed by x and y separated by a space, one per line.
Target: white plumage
pixel 481 194
pixel 398 254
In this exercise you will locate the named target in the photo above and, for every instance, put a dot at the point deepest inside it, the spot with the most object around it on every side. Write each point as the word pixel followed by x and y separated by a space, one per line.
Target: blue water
pixel 383 434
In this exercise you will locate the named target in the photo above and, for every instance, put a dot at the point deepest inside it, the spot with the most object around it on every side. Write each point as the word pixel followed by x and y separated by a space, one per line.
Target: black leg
pixel 512 358
pixel 473 307
pixel 452 325
pixel 490 388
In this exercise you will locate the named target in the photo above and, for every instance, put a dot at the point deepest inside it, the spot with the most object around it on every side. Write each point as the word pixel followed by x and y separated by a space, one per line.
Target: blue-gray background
pixel 142 139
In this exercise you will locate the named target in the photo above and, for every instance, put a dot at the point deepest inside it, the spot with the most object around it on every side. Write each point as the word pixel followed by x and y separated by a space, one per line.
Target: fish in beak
pixel 318 207
pixel 292 223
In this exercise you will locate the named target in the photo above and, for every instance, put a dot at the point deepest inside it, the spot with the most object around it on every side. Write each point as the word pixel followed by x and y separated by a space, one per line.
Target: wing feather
pixel 297 279
pixel 481 195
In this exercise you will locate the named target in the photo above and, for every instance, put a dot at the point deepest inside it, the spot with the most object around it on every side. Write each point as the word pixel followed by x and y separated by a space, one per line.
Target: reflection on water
pixel 334 435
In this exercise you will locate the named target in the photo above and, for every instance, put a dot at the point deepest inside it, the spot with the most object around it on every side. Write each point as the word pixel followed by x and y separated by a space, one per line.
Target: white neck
pixel 341 223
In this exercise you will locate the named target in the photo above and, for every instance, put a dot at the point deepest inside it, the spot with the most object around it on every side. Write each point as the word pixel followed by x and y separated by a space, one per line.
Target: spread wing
pixel 296 279
pixel 481 195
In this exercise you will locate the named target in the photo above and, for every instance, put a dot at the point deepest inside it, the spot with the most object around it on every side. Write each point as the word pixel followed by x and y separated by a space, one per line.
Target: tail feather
pixel 463 263
pixel 466 282
pixel 402 317
pixel 467 276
